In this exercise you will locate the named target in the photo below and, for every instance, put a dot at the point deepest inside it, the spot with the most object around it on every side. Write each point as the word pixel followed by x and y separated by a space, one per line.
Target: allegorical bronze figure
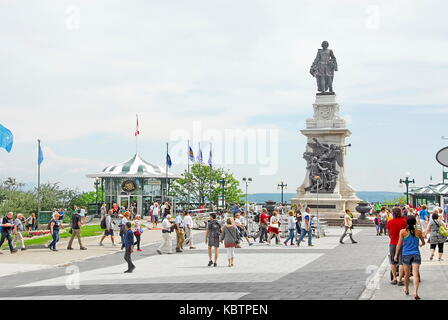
pixel 323 69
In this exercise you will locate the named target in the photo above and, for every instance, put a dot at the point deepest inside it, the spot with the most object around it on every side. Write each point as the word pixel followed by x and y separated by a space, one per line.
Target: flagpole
pixel 166 172
pixel 136 135
pixel 38 176
pixel 188 170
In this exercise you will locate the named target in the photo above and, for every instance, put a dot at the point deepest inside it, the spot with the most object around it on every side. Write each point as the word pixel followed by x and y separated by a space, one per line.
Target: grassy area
pixel 86 231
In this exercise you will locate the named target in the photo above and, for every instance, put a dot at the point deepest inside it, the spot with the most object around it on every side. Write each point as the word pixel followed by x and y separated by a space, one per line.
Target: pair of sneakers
pixel 210 263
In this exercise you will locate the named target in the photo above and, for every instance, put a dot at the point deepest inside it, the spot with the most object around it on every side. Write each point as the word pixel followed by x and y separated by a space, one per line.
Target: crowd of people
pixel 409 229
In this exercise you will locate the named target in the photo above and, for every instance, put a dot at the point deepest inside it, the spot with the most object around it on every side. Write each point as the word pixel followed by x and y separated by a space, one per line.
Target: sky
pixel 75 74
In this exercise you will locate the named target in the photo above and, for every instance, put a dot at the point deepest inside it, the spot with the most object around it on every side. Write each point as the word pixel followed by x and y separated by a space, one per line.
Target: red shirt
pixel 264 218
pixel 395 226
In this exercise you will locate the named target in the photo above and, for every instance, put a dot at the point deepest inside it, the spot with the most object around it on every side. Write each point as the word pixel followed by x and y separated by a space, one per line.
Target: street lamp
pixel 407 181
pixel 282 185
pixel 222 181
pixel 246 181
pixel 97 183
pixel 317 178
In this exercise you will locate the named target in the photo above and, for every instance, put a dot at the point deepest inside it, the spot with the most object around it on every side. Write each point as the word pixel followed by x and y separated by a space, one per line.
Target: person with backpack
pixel 409 241
pixel 108 225
pixel 138 230
pixel 212 239
pixel 437 236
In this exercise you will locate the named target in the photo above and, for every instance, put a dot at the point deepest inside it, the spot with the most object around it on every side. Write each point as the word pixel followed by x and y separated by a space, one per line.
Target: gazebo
pixel 430 194
pixel 134 182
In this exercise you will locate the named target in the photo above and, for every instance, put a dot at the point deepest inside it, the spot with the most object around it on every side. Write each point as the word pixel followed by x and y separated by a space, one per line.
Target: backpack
pixel 442 230
pixel 257 218
pixel 103 223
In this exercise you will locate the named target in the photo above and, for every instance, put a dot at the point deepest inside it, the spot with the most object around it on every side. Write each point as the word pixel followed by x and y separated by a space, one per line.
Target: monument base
pixel 328 130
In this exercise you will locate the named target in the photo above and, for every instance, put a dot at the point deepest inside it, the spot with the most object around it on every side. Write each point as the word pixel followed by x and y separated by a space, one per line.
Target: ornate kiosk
pixel 135 182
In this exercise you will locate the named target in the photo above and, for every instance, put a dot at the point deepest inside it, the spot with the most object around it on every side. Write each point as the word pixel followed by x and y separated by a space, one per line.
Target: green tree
pixel 201 183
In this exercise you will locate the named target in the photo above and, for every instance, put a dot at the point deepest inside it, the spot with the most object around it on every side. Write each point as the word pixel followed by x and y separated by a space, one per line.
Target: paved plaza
pixel 328 270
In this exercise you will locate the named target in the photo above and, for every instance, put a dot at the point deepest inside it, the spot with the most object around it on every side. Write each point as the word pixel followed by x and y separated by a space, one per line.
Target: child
pixel 377 221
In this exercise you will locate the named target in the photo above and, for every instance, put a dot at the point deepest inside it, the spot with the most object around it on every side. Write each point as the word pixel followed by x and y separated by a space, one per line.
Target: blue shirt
pixel 179 221
pixel 410 245
pixel 423 214
pixel 129 239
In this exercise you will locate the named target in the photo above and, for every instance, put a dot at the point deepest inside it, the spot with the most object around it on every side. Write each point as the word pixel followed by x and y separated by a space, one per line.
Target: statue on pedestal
pixel 323 69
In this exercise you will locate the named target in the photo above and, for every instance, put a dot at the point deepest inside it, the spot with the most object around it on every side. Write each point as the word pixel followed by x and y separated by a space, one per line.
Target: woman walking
pixel 55 224
pixel 409 240
pixel 212 236
pixel 155 215
pixel 138 230
pixel 274 228
pixel 230 236
pixel 435 238
pixel 291 228
pixel 298 220
pixel 348 224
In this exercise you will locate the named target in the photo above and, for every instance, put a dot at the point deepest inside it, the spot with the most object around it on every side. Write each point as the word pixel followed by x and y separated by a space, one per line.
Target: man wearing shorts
pixel 394 227
pixel 109 231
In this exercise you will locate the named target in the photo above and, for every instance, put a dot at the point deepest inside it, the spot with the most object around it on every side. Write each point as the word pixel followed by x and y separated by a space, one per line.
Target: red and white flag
pixel 137 132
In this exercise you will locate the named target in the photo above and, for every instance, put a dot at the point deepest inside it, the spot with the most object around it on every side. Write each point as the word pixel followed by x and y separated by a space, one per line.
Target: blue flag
pixel 6 138
pixel 200 155
pixel 168 161
pixel 40 158
pixel 210 159
pixel 191 154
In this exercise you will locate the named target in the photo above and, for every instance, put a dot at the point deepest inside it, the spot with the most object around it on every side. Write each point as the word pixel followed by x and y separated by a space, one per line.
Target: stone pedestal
pixel 328 129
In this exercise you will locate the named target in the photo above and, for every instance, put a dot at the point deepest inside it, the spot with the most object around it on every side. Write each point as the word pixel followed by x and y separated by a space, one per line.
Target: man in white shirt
pixel 180 234
pixel 188 226
pixel 239 219
pixel 306 228
pixel 166 235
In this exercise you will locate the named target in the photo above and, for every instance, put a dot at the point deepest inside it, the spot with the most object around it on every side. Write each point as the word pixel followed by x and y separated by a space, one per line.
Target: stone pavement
pixel 433 286
pixel 328 270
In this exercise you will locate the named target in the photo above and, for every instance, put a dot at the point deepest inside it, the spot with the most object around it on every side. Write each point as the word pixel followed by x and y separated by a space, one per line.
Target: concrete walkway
pixel 42 258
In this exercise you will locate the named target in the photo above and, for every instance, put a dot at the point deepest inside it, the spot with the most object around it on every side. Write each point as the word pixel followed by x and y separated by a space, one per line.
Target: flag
pixel 191 154
pixel 210 159
pixel 168 161
pixel 40 157
pixel 200 155
pixel 137 132
pixel 6 138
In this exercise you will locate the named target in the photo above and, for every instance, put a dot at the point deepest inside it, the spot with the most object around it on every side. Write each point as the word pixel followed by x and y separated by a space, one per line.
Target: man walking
pixel 188 224
pixel 394 227
pixel 109 231
pixel 7 229
pixel 306 228
pixel 76 231
pixel 264 221
pixel 180 234
pixel 166 235
pixel 129 247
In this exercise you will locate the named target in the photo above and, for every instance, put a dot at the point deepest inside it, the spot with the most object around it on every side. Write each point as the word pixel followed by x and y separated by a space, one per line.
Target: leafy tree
pixel 201 183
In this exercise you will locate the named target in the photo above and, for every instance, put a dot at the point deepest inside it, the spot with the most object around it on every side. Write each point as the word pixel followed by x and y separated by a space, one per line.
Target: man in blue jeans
pixel 306 228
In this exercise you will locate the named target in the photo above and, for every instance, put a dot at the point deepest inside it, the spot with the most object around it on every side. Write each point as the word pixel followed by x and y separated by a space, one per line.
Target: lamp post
pixel 282 186
pixel 317 204
pixel 407 181
pixel 222 181
pixel 97 183
pixel 246 181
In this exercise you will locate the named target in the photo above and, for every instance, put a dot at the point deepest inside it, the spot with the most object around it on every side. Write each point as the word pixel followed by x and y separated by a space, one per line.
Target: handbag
pixel 70 230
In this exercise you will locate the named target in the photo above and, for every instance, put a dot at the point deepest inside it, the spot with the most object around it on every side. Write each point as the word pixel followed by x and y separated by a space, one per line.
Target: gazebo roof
pixel 433 189
pixel 135 167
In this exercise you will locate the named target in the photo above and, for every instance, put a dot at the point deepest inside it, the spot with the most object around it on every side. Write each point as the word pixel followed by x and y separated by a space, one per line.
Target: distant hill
pixel 369 196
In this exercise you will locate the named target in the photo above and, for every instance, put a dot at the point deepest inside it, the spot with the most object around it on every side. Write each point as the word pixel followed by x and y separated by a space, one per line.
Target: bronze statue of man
pixel 323 69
